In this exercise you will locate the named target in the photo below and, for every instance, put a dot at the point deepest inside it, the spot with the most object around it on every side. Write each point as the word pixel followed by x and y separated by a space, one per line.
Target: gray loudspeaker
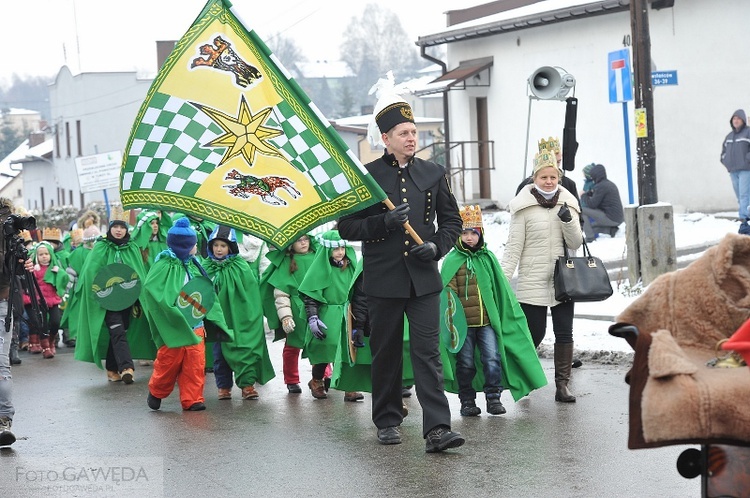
pixel 549 82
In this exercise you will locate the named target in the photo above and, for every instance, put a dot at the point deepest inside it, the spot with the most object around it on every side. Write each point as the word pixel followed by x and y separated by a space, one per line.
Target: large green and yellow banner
pixel 226 134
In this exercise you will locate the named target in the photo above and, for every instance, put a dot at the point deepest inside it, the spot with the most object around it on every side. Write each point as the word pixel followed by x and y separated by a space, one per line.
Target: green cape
pixel 330 287
pixel 160 291
pixel 92 336
pixel 522 372
pixel 58 280
pixel 70 313
pixel 239 295
pixel 277 276
pixel 142 233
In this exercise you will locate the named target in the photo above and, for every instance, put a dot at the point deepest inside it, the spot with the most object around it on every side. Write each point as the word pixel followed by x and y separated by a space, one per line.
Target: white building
pixel 490 56
pixel 91 113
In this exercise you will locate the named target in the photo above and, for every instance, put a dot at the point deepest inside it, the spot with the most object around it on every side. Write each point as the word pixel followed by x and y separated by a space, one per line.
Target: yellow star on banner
pixel 244 134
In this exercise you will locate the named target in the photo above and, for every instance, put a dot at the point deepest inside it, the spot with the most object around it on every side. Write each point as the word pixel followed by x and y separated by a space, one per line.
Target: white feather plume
pixel 385 93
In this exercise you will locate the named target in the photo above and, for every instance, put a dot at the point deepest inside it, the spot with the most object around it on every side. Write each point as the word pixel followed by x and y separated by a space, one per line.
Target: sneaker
pixel 127 376
pixel 145 363
pixel 353 396
pixel 153 402
pixel 294 388
pixel 113 376
pixel 389 435
pixel 225 393
pixel 441 438
pixel 6 436
pixel 406 392
pixel 494 406
pixel 470 409
pixel 317 388
pixel 249 392
pixel 744 228
pixel 196 407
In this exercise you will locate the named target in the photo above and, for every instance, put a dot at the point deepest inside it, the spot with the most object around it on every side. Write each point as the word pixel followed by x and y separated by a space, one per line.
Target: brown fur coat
pixel 675 398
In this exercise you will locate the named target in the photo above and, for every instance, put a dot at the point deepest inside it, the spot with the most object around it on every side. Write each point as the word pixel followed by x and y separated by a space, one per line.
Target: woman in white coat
pixel 540 217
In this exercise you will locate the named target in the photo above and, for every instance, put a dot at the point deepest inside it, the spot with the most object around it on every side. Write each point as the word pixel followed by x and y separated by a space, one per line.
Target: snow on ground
pixel 591 336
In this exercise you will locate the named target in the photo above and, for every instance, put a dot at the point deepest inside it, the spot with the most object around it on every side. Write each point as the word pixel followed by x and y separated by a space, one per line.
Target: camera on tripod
pixel 11 228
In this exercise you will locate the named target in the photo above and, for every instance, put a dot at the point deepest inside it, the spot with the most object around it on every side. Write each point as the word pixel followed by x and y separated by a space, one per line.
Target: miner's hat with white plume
pixel 390 110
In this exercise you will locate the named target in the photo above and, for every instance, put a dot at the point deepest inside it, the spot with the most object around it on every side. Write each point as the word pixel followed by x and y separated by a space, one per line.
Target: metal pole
pixel 646 148
pixel 628 161
pixel 528 126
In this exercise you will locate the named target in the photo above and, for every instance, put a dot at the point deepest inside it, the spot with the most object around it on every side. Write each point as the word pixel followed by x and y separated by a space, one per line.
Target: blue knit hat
pixel 181 238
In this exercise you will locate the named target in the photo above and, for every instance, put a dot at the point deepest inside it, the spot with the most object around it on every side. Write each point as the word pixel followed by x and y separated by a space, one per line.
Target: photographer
pixel 11 229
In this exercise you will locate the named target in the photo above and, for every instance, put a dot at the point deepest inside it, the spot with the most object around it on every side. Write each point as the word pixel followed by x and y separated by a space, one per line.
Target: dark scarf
pixel 118 242
pixel 544 202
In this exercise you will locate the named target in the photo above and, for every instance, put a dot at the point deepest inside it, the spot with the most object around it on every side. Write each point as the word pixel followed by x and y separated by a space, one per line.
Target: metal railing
pixel 459 151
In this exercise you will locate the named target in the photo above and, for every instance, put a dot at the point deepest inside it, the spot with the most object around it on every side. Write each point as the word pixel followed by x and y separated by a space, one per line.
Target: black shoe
pixel 6 436
pixel 441 438
pixel 71 343
pixel 13 355
pixel 406 392
pixel 153 402
pixel 744 228
pixel 389 435
pixel 327 383
pixel 494 406
pixel 470 409
pixel 196 407
pixel 294 388
pixel 576 363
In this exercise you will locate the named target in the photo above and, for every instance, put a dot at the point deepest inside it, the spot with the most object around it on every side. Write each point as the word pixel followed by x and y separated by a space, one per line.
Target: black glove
pixel 357 338
pixel 425 252
pixel 397 216
pixel 564 213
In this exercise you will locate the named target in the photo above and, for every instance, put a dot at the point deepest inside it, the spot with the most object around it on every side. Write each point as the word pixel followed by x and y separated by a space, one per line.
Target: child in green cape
pixel 325 292
pixel 52 281
pixel 239 294
pixel 181 357
pixel 496 325
pixel 116 336
pixel 282 304
pixel 150 235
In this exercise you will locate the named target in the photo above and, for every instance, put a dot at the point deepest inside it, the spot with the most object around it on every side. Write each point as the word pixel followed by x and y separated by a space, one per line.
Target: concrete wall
pixel 706 42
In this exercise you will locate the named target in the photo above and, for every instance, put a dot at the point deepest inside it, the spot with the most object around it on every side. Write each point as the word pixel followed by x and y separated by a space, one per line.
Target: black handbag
pixel 581 279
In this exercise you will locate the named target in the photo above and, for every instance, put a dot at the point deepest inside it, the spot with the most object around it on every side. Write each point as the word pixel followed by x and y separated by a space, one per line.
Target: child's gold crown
pixel 52 233
pixel 551 144
pixel 471 216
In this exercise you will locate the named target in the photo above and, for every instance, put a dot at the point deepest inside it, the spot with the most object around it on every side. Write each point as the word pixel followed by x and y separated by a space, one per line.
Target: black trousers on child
pixel 118 352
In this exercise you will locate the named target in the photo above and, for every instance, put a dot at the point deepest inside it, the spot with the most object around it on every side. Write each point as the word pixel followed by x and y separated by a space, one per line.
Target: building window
pixel 20 193
pixel 57 141
pixel 42 197
pixel 78 137
pixel 426 138
pixel 70 196
pixel 67 138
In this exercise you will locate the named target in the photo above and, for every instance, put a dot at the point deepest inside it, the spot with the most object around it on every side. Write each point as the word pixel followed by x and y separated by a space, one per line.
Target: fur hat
pixel 181 238
pixel 226 234
pixel 88 218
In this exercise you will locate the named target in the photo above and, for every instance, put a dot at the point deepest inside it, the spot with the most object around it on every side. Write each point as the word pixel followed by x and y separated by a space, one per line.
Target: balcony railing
pixel 464 156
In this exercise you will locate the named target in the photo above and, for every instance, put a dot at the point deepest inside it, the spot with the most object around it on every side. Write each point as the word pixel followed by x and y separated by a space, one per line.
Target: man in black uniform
pixel 401 277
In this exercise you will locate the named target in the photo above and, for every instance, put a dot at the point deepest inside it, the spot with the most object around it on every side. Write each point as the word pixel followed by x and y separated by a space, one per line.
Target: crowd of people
pixel 191 297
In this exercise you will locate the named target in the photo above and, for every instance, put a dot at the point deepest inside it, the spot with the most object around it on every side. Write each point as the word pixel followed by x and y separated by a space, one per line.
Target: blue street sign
pixel 660 78
pixel 620 79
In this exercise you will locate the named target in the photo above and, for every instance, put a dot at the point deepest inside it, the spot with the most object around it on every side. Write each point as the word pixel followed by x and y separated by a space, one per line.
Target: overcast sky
pixel 40 36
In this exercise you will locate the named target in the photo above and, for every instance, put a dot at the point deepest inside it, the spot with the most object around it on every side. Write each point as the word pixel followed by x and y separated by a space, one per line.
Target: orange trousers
pixel 185 366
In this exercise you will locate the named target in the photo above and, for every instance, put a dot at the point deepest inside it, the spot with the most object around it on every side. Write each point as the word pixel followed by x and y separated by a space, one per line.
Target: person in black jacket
pixel 401 277
pixel 601 207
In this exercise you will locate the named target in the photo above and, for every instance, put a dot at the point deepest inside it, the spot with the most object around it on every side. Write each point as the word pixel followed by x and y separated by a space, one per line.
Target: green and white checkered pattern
pixel 305 152
pixel 167 154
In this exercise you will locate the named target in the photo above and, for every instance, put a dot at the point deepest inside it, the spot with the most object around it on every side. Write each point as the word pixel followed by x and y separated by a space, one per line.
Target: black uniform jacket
pixel 389 269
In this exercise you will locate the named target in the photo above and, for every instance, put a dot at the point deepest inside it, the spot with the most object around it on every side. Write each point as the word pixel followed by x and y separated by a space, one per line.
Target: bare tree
pixel 375 43
pixel 286 50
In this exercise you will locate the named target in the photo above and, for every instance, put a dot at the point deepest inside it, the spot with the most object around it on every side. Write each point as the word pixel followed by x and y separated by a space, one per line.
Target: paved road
pixel 82 436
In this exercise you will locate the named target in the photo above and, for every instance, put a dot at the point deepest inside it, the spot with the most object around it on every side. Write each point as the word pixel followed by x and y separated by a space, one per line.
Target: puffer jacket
pixel 735 153
pixel 534 243
pixel 468 293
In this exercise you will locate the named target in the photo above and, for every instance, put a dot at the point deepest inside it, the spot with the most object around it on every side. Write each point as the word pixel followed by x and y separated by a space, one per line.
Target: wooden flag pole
pixel 412 232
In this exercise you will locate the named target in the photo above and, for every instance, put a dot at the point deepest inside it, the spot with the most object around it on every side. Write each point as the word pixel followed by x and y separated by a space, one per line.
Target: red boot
pixel 46 351
pixel 34 346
